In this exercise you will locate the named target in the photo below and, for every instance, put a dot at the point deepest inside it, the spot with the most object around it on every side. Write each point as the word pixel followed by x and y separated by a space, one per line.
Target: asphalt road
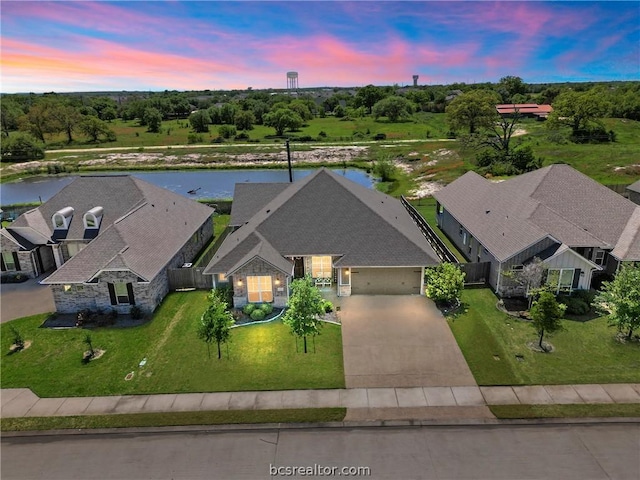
pixel 584 452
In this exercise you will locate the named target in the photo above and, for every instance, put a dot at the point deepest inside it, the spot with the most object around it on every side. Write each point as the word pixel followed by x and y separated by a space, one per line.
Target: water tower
pixel 292 82
pixel 415 80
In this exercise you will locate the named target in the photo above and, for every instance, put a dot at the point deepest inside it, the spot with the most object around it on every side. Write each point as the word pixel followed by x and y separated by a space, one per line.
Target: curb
pixel 493 423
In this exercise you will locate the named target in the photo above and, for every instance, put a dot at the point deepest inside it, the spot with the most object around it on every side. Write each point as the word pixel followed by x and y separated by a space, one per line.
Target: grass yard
pixel 261 357
pixel 585 352
pixel 427 208
pixel 174 418
pixel 566 411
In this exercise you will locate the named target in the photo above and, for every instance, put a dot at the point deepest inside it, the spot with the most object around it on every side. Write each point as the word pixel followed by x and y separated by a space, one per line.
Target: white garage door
pixel 386 281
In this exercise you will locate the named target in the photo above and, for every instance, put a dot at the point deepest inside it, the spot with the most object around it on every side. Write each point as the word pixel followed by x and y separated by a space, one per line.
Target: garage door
pixel 385 281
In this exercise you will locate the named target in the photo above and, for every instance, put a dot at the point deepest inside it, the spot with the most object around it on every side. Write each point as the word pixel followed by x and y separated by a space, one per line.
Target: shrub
pixel 227 131
pixel 586 296
pixel 322 134
pixel 380 136
pixel 267 308
pixel 575 306
pixel 257 315
pixel 242 136
pixel 249 308
pixel 327 305
pixel 135 312
pixel 194 138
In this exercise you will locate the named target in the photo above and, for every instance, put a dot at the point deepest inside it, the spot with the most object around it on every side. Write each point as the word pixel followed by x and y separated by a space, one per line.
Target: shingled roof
pixel 555 201
pixel 142 228
pixel 325 214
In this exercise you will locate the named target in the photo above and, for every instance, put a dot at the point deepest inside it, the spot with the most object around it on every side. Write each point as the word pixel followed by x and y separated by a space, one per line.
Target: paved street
pixel 581 452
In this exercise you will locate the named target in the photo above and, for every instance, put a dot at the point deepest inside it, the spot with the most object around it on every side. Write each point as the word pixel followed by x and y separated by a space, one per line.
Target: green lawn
pixel 261 357
pixel 585 352
pixel 427 208
pixel 220 223
pixel 174 418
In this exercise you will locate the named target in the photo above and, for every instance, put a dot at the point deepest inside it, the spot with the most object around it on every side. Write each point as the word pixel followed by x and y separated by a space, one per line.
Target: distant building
pixel 530 110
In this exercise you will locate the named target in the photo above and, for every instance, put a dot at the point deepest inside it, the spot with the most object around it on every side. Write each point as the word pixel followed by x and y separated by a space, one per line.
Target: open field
pixel 584 352
pixel 425 161
pixel 260 357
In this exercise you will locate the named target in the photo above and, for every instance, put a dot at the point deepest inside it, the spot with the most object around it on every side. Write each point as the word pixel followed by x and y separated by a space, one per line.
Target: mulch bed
pixel 70 321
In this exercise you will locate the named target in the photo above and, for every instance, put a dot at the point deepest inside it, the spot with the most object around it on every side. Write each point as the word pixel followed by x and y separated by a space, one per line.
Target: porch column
pixel 57 255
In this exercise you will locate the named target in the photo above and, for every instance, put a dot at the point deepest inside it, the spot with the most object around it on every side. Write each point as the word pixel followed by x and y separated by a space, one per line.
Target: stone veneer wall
pixel 147 295
pixel 24 257
pixel 258 267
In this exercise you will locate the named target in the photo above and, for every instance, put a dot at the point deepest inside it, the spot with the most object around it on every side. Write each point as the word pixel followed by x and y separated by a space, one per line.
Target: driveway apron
pixel 399 341
pixel 23 299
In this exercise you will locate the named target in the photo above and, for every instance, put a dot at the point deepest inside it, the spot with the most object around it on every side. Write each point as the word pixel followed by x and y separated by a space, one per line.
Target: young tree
pixel 546 315
pixel 216 322
pixel 393 107
pixel 385 169
pixel 89 343
pixel 620 299
pixel 444 282
pixel 304 309
pixel 473 110
pixel 18 341
pixel 530 278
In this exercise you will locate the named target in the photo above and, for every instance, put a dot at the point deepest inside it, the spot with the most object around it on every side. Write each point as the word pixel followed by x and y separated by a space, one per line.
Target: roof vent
pixel 62 218
pixel 93 218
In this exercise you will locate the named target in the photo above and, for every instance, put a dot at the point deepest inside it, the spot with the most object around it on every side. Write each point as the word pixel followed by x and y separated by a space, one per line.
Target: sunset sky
pixel 189 45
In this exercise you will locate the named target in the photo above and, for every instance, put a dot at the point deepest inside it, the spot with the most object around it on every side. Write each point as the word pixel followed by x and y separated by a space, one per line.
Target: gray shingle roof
pixel 146 227
pixel 634 187
pixel 628 246
pixel 557 201
pixel 326 214
pixel 248 198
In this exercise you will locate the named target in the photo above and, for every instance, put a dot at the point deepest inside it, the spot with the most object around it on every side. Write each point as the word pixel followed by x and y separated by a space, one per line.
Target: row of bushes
pixel 578 303
pixel 257 311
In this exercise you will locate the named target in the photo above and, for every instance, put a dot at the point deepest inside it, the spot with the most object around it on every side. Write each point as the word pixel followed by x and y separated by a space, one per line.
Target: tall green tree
pixel 620 299
pixel 510 86
pixel 152 118
pixel 200 121
pixel 94 128
pixel 245 120
pixel 38 121
pixel 368 96
pixel 546 315
pixel 473 110
pixel 444 283
pixel 21 146
pixel 304 309
pixel 216 323
pixel 282 119
pixel 10 111
pixel 581 111
pixel 393 107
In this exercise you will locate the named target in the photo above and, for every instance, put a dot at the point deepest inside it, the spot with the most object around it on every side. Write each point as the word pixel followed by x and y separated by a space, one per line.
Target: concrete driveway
pixel 399 341
pixel 23 299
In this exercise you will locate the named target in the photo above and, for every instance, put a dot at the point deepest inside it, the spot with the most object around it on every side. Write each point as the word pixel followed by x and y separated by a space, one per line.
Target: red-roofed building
pixel 531 110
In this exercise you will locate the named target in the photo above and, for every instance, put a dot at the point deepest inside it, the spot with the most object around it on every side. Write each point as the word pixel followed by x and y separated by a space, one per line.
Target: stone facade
pixel 258 267
pixel 147 295
pixel 25 259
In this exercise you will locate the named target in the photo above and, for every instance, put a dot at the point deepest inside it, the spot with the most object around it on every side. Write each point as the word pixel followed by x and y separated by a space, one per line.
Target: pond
pixel 206 183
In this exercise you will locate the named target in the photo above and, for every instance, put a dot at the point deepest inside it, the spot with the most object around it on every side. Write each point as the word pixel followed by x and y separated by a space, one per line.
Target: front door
pixel 298 267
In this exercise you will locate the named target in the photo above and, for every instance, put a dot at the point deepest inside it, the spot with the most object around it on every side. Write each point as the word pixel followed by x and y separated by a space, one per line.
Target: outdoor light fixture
pixel 239 283
pixel 277 281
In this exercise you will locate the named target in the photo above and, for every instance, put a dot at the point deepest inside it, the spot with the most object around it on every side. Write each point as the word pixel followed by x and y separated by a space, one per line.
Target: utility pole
pixel 289 162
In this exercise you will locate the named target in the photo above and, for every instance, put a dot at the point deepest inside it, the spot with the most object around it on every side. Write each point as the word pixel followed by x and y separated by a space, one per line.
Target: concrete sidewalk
pixel 362 403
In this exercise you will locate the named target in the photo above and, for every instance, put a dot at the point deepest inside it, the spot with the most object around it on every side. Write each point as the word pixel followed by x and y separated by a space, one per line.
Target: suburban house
pixel 634 192
pixel 529 110
pixel 347 237
pixel 109 241
pixel 578 227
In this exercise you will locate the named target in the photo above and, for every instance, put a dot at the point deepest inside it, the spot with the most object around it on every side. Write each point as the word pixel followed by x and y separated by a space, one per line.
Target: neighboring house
pixel 110 240
pixel 576 225
pixel 530 110
pixel 347 237
pixel 634 192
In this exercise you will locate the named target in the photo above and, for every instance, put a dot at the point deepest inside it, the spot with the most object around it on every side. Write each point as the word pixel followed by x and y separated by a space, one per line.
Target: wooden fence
pixel 189 278
pixel 436 243
pixel 476 273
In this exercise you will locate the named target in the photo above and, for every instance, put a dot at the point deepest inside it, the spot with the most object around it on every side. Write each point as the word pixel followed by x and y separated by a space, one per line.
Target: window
pixel 598 258
pixel 74 248
pixel 560 279
pixel 9 261
pixel 440 209
pixel 259 289
pixel 464 237
pixel 320 267
pixel 58 221
pixel 222 277
pixel 66 288
pixel 90 221
pixel 122 294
